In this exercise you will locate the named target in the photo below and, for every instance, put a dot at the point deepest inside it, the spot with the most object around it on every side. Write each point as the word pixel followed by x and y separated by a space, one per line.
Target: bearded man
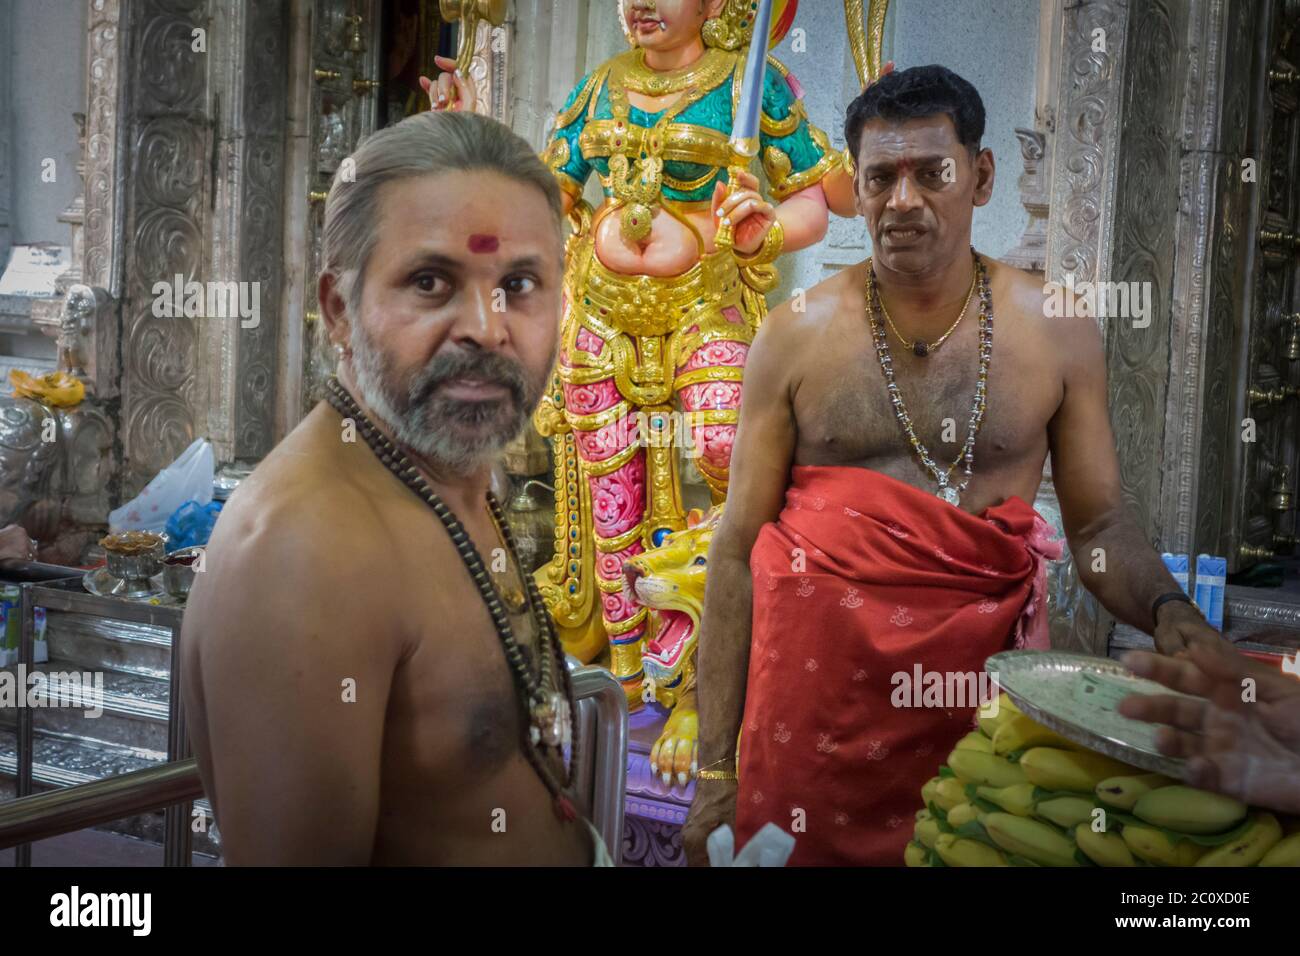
pixel 892 436
pixel 361 687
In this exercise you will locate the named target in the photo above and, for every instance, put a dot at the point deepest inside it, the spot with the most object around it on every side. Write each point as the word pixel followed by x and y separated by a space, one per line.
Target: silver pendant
pixel 949 494
pixel 552 722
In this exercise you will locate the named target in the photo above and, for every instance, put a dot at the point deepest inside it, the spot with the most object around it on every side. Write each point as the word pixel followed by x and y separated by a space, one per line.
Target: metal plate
pixel 1068 693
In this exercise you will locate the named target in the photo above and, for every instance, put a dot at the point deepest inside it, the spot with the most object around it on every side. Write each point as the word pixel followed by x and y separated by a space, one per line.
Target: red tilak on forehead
pixel 482 243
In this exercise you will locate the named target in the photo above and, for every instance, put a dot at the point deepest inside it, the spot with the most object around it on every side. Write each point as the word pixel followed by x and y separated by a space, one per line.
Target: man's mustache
pixel 482 366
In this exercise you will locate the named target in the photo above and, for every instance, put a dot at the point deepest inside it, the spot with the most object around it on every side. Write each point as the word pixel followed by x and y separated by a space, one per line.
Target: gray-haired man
pixel 365 677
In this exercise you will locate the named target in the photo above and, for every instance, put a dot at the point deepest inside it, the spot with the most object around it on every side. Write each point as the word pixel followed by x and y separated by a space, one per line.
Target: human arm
pixel 760 469
pixel 16 544
pixel 276 633
pixel 1114 558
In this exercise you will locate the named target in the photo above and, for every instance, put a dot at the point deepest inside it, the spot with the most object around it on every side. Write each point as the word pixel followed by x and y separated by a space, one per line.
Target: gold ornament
pixel 767 253
pixel 730 29
pixel 636 160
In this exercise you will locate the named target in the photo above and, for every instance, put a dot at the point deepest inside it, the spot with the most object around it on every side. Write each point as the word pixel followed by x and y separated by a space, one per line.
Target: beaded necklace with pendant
pixel 546 698
pixel 966 457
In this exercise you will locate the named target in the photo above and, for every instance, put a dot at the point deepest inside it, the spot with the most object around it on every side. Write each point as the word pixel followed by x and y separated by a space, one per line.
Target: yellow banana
pixel 927 831
pixel 1018 732
pixel 1017 798
pixel 975 741
pixel 1153 846
pixel 1081 770
pixel 1189 810
pixel 927 791
pixel 949 793
pixel 1104 849
pixel 957 851
pixel 1263 833
pixel 989 724
pixel 914 854
pixel 1031 839
pixel 1066 812
pixel 1123 792
pixel 1286 852
pixel 990 769
pixel 962 814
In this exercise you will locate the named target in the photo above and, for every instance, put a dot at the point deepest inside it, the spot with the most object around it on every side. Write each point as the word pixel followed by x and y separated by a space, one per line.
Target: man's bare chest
pixel 846 414
pixel 455 695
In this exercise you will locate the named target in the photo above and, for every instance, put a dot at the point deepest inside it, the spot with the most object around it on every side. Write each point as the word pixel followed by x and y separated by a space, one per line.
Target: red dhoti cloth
pixel 863 577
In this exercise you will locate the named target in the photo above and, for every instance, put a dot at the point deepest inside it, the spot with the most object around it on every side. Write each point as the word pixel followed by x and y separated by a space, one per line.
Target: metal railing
pixel 600 772
pixel 39 817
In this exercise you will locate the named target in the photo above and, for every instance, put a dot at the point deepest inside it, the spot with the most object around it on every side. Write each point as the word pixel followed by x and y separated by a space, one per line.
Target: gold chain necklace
pixel 919 347
pixel 966 457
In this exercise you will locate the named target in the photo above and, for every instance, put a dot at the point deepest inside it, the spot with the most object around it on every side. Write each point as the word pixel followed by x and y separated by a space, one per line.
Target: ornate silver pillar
pixel 1084 162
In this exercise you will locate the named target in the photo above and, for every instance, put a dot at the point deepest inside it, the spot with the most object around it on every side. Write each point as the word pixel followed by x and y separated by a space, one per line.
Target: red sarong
pixel 892 578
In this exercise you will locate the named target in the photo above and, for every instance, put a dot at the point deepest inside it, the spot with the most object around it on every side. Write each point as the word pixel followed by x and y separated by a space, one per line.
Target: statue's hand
pixel 751 215
pixel 450 91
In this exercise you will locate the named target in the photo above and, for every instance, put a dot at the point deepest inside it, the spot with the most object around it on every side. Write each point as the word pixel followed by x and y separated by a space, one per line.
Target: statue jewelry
pixel 966 457
pixel 636 164
pixel 921 348
pixel 546 697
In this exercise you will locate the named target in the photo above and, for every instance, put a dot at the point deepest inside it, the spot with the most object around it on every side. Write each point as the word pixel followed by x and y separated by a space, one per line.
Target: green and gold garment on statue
pixel 795 153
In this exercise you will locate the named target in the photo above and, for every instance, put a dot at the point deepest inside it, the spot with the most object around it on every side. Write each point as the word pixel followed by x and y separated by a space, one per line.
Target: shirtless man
pixel 348 694
pixel 816 396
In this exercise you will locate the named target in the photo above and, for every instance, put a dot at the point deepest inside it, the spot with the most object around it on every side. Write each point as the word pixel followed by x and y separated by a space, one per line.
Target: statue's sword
pixel 744 130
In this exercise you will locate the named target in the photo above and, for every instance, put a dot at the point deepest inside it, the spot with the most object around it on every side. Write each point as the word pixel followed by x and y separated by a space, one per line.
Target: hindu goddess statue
pixel 658 316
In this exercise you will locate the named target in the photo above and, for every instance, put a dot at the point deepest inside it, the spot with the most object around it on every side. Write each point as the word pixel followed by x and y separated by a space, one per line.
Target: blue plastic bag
pixel 191 524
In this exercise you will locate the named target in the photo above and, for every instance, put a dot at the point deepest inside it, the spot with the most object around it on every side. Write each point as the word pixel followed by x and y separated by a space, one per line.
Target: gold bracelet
pixel 767 253
pixel 708 773
pixel 717 775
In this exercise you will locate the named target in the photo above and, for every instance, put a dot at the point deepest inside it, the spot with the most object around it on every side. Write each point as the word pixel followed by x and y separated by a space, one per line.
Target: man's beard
pixel 456 436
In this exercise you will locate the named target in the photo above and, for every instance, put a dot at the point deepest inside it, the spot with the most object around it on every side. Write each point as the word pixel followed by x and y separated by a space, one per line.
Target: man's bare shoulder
pixel 286 549
pixel 305 491
pixel 812 310
pixel 1046 313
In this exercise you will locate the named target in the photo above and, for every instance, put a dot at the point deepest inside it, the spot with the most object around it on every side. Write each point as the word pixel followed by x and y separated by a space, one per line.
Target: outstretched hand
pixel 450 91
pixel 1239 733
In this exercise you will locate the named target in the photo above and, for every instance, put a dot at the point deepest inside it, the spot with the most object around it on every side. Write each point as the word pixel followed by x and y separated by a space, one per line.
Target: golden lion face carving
pixel 670 580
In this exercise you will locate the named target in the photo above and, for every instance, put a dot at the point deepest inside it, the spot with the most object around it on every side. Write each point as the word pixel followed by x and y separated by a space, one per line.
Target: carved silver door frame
pixel 333 106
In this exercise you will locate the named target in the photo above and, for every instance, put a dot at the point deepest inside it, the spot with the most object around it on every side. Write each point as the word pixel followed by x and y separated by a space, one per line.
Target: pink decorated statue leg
pixel 618 500
pixel 712 406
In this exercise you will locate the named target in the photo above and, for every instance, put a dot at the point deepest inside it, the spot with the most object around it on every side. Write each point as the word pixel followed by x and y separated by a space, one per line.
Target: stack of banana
pixel 1014 793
